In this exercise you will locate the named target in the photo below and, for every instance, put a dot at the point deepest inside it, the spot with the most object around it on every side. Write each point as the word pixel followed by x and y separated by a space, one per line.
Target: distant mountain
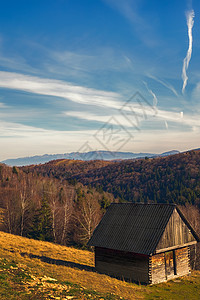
pixel 92 155
pixel 172 152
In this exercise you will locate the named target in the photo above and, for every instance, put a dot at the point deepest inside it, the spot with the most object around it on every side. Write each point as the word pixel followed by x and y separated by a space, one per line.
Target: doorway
pixel 170 264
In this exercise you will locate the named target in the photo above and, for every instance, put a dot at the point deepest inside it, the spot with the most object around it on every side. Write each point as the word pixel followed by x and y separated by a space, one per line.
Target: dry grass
pixel 32 255
pixel 68 162
pixel 12 247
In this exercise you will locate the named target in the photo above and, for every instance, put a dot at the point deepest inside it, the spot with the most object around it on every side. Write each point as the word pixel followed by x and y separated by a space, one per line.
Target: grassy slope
pixel 23 276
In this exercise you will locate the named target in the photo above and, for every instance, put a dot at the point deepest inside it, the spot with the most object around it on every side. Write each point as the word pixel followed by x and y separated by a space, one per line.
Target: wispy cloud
pixel 186 61
pixel 103 118
pixel 196 92
pixel 79 64
pixel 87 96
pixel 58 88
pixel 162 116
pixel 2 105
pixel 16 63
pixel 167 85
pixel 155 100
pixel 30 140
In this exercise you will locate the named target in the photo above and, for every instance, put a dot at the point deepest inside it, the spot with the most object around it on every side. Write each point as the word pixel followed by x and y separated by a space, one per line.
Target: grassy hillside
pixel 32 269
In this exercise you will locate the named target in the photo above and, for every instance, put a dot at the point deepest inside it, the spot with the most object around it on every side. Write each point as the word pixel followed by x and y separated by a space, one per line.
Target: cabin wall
pixel 175 234
pixel 182 261
pixel 129 266
pixel 159 268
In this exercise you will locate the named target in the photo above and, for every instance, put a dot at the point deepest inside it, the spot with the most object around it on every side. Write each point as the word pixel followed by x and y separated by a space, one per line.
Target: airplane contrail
pixel 167 85
pixel 155 100
pixel 190 23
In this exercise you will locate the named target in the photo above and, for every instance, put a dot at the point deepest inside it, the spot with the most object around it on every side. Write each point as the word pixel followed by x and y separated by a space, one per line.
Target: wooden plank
pixel 175 247
pixel 130 266
pixel 158 268
pixel 176 234
pixel 182 261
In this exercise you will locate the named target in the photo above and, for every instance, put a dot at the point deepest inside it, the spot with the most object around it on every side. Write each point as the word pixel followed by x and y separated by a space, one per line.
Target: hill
pixel 66 168
pixel 32 269
pixel 174 179
pixel 171 179
pixel 91 155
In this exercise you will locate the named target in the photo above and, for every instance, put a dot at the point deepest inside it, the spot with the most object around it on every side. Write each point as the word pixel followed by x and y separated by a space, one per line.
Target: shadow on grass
pixel 81 267
pixel 59 262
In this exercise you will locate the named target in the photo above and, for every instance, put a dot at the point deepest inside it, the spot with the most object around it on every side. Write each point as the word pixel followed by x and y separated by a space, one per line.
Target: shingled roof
pixel 133 227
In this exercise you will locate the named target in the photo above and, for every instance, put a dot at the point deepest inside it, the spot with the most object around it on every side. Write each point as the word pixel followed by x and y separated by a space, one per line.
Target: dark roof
pixel 132 227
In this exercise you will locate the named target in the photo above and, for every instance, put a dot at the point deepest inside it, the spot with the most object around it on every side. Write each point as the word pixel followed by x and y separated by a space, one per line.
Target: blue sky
pixel 69 68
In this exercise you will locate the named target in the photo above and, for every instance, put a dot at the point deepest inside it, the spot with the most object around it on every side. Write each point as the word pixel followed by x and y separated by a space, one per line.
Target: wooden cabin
pixel 146 243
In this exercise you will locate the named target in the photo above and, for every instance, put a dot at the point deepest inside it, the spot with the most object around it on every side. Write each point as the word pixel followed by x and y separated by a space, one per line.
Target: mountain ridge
pixel 86 156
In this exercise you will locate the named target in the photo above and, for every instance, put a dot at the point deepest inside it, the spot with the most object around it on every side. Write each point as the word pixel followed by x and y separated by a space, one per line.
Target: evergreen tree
pixel 42 227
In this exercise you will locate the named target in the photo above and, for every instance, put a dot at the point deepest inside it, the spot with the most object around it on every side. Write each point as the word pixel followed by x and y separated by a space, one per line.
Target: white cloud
pixel 87 96
pixel 58 88
pixel 196 91
pixel 2 105
pixel 165 140
pixel 186 61
pixel 139 115
pixel 86 65
pixel 18 140
pixel 155 100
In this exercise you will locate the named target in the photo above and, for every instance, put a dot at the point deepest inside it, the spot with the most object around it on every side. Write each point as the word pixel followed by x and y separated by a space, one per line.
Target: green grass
pixel 187 287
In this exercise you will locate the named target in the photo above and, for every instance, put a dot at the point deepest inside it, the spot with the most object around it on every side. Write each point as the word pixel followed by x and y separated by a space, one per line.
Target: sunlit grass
pixel 18 250
pixel 11 247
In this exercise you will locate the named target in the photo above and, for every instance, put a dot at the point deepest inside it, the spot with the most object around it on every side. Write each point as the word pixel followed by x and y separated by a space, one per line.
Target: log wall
pixel 124 265
pixel 142 268
pixel 182 261
pixel 181 265
pixel 157 268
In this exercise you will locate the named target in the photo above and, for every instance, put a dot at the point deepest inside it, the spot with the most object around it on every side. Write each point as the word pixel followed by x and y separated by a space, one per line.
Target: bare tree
pixel 11 210
pixel 50 189
pixel 87 216
pixel 67 200
pixel 25 191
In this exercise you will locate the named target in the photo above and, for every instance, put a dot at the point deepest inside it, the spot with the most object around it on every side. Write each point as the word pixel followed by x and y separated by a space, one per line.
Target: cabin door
pixel 170 264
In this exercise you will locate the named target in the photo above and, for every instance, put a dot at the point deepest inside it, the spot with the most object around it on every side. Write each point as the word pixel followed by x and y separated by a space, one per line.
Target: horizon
pixel 6 161
pixel 118 75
